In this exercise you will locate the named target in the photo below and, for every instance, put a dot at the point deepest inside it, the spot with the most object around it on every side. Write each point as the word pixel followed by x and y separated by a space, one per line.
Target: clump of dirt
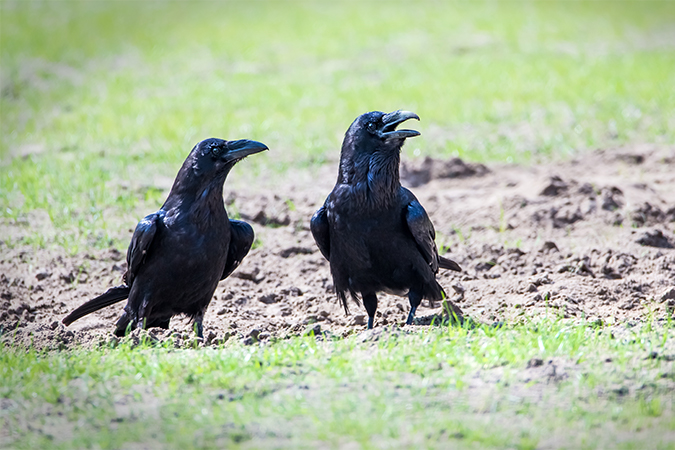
pixel 589 238
pixel 654 238
pixel 417 173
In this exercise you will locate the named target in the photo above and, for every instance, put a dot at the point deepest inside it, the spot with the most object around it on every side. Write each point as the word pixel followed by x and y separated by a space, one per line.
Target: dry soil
pixel 591 238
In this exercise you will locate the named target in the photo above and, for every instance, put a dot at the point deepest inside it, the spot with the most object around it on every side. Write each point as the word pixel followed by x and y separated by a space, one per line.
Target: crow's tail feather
pixel 445 263
pixel 111 296
pixel 342 296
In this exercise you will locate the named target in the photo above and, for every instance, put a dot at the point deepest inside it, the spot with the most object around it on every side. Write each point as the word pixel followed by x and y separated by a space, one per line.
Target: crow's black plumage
pixel 178 254
pixel 374 232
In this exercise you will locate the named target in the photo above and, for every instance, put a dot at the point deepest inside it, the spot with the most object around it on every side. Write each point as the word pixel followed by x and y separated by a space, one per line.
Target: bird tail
pixel 111 296
pixel 445 263
pixel 342 295
pixel 343 299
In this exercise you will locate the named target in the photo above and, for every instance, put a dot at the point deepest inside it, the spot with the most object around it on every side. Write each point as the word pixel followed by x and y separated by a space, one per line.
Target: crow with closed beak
pixel 374 232
pixel 178 254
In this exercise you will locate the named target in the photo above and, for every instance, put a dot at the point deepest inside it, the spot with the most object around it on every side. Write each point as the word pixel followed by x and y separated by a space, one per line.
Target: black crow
pixel 374 232
pixel 178 254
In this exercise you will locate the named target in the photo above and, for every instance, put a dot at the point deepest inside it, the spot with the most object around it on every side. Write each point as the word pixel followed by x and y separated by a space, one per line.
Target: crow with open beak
pixel 374 232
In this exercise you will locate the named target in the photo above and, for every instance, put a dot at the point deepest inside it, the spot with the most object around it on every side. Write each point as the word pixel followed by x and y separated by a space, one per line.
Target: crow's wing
pixel 241 240
pixel 423 232
pixel 140 245
pixel 321 231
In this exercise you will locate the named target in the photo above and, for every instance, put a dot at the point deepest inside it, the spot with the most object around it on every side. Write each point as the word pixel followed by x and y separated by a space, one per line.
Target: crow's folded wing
pixel 241 240
pixel 321 231
pixel 140 245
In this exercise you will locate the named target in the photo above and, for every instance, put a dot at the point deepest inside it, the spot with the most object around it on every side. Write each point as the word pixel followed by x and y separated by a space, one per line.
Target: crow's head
pixel 372 144
pixel 376 131
pixel 210 162
pixel 212 159
pixel 217 154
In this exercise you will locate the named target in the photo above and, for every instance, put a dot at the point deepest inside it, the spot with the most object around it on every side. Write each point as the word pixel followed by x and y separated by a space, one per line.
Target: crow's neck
pixel 375 180
pixel 200 203
pixel 209 205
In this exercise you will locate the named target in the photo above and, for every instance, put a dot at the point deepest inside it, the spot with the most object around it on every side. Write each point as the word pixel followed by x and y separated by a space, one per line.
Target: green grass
pixel 438 388
pixel 100 102
pixel 102 97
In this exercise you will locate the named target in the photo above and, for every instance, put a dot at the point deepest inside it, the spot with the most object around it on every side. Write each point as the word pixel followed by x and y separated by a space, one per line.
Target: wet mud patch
pixel 590 239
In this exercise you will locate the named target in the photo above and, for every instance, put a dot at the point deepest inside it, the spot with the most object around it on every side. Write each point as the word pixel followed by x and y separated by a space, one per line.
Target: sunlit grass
pixel 432 389
pixel 101 101
pixel 101 97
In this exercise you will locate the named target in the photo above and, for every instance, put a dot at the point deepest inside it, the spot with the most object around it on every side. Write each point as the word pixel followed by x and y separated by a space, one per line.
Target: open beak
pixel 392 120
pixel 242 148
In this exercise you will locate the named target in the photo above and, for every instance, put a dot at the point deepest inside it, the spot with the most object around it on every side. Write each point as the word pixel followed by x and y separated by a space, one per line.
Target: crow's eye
pixel 215 150
pixel 370 127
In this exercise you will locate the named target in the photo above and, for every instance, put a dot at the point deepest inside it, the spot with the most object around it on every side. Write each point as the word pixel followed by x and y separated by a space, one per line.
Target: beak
pixel 242 148
pixel 392 120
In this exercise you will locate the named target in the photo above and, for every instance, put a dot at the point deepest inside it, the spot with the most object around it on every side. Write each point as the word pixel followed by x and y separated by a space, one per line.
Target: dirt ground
pixel 588 238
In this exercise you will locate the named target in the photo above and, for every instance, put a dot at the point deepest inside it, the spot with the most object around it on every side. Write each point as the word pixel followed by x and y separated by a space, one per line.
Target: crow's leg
pixel 415 299
pixel 122 325
pixel 144 311
pixel 199 328
pixel 370 302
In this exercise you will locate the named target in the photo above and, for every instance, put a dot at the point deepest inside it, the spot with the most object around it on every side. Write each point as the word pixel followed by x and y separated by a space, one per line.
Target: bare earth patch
pixel 589 238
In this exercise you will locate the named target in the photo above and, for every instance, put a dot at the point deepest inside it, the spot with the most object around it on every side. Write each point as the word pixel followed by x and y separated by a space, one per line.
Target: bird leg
pixel 122 325
pixel 415 299
pixel 199 328
pixel 370 302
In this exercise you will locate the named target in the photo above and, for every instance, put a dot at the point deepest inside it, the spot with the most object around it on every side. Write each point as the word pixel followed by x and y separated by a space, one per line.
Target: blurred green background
pixel 98 98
